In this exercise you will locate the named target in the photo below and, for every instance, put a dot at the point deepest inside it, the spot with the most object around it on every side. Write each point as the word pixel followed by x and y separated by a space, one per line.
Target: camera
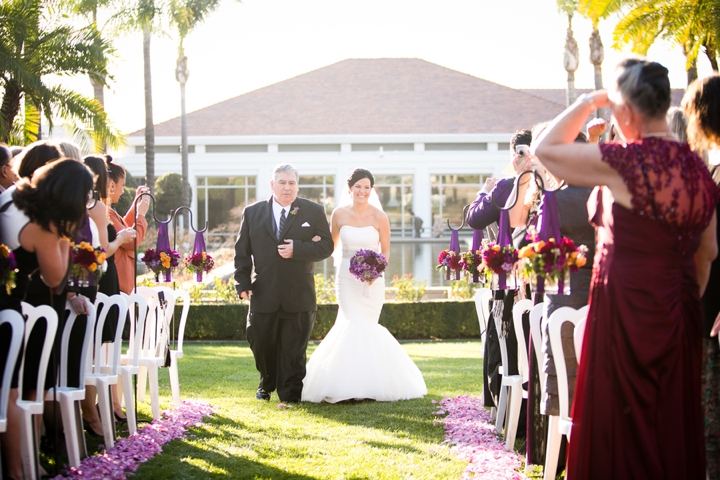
pixel 522 150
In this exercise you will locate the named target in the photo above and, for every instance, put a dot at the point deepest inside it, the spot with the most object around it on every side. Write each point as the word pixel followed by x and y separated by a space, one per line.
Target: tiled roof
pixel 376 96
pixel 371 96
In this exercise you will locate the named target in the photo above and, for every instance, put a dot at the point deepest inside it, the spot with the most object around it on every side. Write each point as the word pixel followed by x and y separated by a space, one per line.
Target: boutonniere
pixel 294 211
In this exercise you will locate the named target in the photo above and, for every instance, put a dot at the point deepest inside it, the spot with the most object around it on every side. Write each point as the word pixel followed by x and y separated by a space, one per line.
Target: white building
pixel 430 135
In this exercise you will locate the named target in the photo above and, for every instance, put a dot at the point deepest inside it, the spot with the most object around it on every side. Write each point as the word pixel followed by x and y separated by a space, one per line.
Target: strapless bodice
pixel 355 238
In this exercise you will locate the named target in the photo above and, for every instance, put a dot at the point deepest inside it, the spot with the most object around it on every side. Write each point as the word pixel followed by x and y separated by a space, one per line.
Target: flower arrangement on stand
pixel 547 264
pixel 449 261
pixel 500 263
pixel 161 262
pixel 86 266
pixel 8 266
pixel 199 263
pixel 472 263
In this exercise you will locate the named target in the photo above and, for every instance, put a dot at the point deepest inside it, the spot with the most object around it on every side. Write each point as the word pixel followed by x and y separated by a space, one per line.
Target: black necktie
pixel 282 223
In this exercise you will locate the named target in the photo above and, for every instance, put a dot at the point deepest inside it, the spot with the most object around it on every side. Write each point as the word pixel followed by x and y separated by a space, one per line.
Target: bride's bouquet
pixel 367 265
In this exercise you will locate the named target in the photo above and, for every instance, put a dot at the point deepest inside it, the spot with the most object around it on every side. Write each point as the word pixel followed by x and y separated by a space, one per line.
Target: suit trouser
pixel 279 341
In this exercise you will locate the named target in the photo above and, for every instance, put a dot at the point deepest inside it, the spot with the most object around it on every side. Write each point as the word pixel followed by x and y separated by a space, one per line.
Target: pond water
pixel 416 257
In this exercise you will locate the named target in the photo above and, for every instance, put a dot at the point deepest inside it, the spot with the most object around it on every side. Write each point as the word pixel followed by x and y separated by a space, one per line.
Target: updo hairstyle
pixel 116 172
pixel 645 85
pixel 358 174
pixel 97 164
pixel 57 194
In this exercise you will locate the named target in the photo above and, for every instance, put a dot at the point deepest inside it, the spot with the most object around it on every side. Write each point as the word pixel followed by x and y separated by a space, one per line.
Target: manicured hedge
pixel 422 320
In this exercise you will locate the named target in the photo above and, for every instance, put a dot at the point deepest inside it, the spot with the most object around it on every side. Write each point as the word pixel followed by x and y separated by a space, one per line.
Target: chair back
pixel 578 337
pixel 109 363
pixel 72 317
pixel 33 315
pixel 557 319
pixel 17 326
pixel 137 314
pixel 519 309
pixel 536 316
pixel 157 326
pixel 185 297
pixel 483 296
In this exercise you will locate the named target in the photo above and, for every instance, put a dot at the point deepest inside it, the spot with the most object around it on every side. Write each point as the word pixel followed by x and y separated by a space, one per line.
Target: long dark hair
pixel 98 165
pixel 57 194
pixel 358 174
pixel 35 156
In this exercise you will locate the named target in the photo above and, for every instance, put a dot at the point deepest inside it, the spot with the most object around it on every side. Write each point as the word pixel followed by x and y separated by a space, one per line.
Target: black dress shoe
pixel 262 394
pixel 90 431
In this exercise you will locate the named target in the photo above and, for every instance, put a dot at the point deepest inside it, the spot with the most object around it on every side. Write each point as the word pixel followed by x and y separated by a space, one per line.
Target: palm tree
pixel 36 41
pixel 572 53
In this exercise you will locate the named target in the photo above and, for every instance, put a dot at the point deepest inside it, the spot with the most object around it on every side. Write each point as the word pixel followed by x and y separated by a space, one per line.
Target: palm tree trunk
pixel 99 94
pixel 711 53
pixel 9 110
pixel 149 125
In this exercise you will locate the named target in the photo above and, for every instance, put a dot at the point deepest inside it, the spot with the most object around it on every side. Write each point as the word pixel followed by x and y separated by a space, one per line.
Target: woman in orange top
pixel 125 254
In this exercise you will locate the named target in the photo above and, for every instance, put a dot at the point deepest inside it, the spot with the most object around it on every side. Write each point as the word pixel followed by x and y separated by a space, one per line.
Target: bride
pixel 360 359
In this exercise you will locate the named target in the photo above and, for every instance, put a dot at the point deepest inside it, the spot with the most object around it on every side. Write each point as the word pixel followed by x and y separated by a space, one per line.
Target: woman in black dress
pixel 37 218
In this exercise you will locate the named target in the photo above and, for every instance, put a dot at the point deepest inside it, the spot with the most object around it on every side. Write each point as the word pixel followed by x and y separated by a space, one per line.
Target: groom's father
pixel 276 238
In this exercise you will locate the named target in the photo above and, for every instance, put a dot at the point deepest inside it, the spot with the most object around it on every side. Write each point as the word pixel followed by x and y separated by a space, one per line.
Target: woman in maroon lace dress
pixel 636 412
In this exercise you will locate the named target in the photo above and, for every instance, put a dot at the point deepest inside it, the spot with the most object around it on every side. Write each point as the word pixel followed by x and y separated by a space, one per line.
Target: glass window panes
pixel 395 192
pixel 221 200
pixel 450 193
pixel 319 189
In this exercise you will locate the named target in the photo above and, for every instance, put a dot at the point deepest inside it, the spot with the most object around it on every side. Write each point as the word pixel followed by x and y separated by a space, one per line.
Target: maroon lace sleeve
pixel 668 183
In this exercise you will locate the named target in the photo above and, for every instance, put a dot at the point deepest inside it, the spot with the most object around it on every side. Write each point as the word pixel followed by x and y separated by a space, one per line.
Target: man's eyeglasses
pixel 92 199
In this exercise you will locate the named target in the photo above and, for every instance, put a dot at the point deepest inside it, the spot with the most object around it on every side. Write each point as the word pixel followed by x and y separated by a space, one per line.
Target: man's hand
pixel 286 251
pixel 246 295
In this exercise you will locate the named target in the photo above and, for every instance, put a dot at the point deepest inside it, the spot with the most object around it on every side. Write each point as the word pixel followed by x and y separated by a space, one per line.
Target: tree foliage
pixel 168 194
pixel 37 40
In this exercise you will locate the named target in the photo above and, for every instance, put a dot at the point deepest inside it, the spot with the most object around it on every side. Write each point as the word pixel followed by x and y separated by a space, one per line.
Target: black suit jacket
pixel 280 282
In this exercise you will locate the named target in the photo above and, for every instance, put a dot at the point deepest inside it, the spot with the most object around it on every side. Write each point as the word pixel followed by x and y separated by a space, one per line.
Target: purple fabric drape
pixel 199 247
pixel 454 247
pixel 163 245
pixel 504 239
pixel 549 222
pixel 476 244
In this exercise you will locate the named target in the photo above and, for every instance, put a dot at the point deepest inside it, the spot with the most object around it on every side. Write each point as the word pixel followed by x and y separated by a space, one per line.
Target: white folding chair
pixel 69 396
pixel 28 408
pixel 177 353
pixel 155 340
pixel 102 368
pixel 483 296
pixel 137 314
pixel 536 317
pixel 516 391
pixel 17 327
pixel 562 424
pixel 508 382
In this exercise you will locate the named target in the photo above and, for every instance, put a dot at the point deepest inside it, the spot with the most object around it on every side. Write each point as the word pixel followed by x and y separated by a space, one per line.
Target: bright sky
pixel 249 45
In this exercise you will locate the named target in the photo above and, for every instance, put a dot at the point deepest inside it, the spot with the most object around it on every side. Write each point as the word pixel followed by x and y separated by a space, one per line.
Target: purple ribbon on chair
pixel 504 239
pixel 476 243
pixel 454 247
pixel 163 245
pixel 199 247
pixel 549 223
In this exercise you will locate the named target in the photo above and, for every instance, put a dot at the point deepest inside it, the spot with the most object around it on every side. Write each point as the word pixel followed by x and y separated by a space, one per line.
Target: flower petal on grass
pixel 128 453
pixel 469 429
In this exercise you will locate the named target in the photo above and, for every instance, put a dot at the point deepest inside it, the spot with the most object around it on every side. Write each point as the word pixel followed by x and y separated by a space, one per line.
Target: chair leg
pixel 174 381
pixel 106 416
pixel 154 393
pixel 29 452
pixel 552 451
pixel 69 422
pixel 141 383
pixel 82 446
pixel 493 413
pixel 502 405
pixel 125 385
pixel 513 416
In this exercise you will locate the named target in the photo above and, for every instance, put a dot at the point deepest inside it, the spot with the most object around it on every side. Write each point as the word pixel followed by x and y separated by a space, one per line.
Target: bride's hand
pixel 316 238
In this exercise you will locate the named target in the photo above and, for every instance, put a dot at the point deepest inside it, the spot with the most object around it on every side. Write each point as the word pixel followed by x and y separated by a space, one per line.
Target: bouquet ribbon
pixel 454 247
pixel 504 239
pixel 476 243
pixel 199 247
pixel 163 244
pixel 549 223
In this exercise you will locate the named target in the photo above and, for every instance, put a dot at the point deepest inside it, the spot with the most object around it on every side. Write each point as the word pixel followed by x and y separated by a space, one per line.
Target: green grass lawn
pixel 247 438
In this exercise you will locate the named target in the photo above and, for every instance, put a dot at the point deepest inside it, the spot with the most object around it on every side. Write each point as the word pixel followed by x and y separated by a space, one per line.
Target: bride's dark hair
pixel 358 174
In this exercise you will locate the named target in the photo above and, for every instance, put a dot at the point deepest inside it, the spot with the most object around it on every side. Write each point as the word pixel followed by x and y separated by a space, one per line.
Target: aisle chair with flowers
pixel 28 408
pixel 559 425
pixel 177 353
pixel 129 366
pixel 13 320
pixel 69 396
pixel 102 366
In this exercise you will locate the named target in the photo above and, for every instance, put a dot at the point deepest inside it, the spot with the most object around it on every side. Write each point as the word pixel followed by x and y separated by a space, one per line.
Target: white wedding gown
pixel 359 358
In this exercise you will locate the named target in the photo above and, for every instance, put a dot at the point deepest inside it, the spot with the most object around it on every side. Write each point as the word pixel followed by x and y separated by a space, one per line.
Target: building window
pixel 450 193
pixel 395 192
pixel 320 189
pixel 221 200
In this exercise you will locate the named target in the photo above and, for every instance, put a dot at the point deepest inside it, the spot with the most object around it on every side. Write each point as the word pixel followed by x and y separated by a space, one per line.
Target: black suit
pixel 283 304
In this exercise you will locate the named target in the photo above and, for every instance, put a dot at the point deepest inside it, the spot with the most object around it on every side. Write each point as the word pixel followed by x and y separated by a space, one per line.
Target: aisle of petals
pixel 470 432
pixel 128 453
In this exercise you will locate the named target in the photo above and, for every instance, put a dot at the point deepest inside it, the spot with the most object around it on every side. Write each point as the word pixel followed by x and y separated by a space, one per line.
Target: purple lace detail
pixel 668 183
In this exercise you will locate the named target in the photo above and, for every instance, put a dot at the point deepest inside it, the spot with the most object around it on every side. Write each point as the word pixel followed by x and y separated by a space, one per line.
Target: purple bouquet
pixel 367 265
